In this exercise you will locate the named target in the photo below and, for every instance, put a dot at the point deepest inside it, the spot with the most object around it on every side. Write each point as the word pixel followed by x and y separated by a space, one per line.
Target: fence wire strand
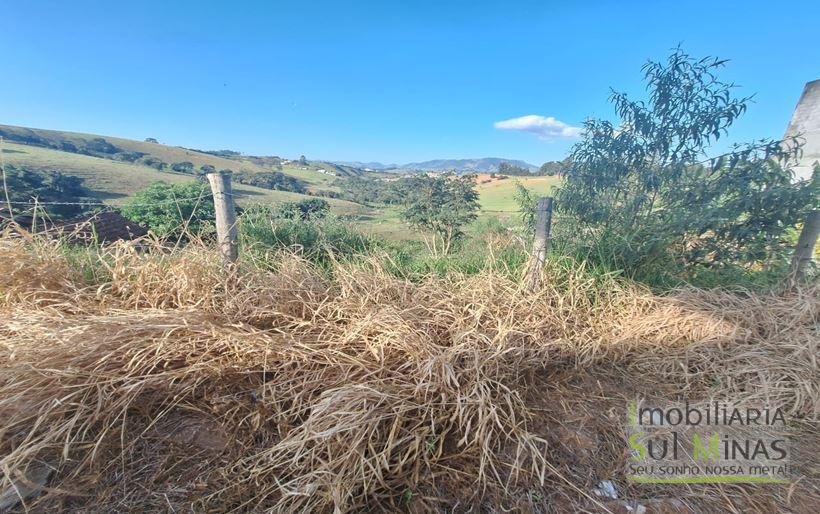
pixel 113 205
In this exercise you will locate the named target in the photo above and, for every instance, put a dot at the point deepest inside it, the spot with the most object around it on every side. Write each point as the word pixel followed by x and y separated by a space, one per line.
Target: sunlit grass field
pixel 499 195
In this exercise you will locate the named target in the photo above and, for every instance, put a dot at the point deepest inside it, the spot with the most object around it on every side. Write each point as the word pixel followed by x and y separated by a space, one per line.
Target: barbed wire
pixel 112 205
pixel 33 204
pixel 103 204
pixel 185 199
pixel 554 213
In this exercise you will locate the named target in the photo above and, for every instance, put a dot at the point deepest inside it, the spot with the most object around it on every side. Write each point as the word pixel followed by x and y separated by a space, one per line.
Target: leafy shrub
pixel 183 167
pixel 171 209
pixel 318 239
pixel 153 162
pixel 304 209
pixel 526 201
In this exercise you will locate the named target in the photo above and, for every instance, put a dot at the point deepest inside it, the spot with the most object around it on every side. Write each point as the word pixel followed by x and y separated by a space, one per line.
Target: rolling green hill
pixel 113 181
pixel 141 152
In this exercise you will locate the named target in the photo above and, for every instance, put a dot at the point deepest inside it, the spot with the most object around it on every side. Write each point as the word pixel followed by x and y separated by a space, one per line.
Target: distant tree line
pixel 95 147
pixel 218 153
pixel 327 193
pixel 554 168
pixel 275 180
pixel 506 168
pixel 549 168
pixel 26 186
pixel 375 191
pixel 271 161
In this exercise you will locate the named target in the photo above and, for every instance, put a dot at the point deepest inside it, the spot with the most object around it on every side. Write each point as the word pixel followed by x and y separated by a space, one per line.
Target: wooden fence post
pixel 226 230
pixel 5 185
pixel 804 251
pixel 543 220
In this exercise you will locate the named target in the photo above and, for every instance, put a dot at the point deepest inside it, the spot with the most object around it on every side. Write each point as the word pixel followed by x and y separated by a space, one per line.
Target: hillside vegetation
pixel 115 168
pixel 110 180
pixel 140 151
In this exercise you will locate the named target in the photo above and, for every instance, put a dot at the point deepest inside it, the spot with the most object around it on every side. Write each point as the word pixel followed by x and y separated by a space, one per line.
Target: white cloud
pixel 545 127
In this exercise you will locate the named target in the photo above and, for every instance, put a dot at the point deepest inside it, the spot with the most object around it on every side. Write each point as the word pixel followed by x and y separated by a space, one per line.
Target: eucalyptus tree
pixel 649 188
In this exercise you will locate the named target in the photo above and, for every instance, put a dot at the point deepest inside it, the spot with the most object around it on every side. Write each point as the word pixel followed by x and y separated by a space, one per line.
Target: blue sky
pixel 393 81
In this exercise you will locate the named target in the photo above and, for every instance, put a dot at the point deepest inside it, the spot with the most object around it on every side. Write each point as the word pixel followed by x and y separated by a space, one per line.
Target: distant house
pixel 103 227
pixel 24 220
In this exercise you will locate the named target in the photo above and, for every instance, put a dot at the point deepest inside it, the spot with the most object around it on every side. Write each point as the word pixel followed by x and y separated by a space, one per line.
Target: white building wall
pixel 805 122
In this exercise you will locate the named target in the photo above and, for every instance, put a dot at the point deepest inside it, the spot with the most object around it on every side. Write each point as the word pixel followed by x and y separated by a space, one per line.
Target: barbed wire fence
pixel 224 204
pixel 3 172
pixel 129 204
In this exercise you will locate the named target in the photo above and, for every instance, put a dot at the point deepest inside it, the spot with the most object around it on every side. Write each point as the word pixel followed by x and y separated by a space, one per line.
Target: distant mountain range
pixel 484 165
pixel 368 165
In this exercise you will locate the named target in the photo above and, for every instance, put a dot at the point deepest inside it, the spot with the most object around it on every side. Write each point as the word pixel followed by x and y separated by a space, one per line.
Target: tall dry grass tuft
pixel 172 383
pixel 32 270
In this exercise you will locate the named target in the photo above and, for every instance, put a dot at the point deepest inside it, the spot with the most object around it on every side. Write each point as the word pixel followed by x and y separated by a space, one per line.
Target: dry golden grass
pixel 173 385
